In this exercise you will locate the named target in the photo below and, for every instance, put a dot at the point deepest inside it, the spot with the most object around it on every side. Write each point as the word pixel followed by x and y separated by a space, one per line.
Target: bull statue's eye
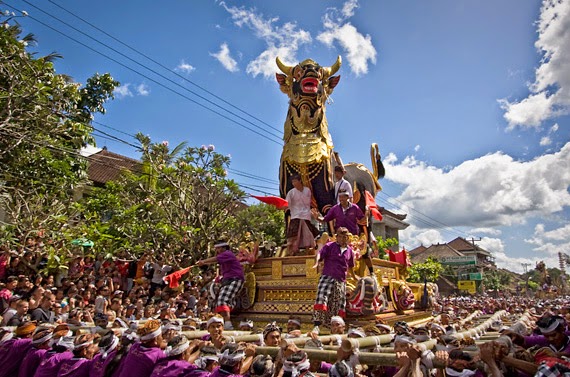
pixel 298 73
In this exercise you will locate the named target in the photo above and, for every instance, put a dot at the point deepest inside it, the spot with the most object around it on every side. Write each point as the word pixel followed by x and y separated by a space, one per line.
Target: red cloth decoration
pixel 399 257
pixel 276 201
pixel 173 279
pixel 371 203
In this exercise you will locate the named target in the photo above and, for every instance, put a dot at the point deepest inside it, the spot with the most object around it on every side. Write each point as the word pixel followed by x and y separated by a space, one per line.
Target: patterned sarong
pixel 330 301
pixel 227 296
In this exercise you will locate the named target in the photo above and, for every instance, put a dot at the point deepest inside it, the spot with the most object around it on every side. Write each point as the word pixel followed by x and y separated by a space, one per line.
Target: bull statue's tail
pixel 377 165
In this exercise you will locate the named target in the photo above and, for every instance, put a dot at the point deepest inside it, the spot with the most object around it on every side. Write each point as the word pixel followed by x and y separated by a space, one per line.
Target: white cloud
pixel 130 90
pixel 545 140
pixel 225 58
pixel 554 128
pixel 143 90
pixel 412 237
pixel 281 40
pixel 123 91
pixel 417 148
pixel 185 67
pixel 358 47
pixel 490 191
pixel 489 231
pixel 550 92
pixel 349 7
pixel 560 234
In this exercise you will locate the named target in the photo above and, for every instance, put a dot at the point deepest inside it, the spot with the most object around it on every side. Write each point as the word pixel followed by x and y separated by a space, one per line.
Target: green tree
pixel 263 221
pixel 45 118
pixel 384 245
pixel 176 205
pixel 430 270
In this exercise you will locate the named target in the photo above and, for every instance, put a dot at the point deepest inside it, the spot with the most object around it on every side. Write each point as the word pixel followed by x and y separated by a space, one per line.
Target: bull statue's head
pixel 308 78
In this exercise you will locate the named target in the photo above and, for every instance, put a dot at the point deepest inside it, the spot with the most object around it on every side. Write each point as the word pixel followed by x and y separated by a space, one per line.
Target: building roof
pixel 435 251
pixel 466 247
pixel 397 216
pixel 107 166
pixel 418 250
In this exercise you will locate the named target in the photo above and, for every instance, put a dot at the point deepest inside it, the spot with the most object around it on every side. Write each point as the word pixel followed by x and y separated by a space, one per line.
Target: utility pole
pixel 525 267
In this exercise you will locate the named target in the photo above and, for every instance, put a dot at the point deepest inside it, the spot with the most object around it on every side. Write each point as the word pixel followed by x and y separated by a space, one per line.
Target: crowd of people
pixel 115 317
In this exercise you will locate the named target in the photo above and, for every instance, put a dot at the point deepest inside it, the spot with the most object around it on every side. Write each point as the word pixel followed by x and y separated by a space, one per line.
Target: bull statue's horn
pixel 329 71
pixel 284 68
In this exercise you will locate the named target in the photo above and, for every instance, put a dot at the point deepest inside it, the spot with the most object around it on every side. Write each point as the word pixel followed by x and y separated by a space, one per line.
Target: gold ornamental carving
pixel 294 269
pixel 289 295
pixel 310 272
pixel 276 269
pixel 306 282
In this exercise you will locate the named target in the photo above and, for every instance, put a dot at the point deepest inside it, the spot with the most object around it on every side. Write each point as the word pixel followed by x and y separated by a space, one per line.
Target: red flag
pixel 276 201
pixel 371 203
pixel 173 279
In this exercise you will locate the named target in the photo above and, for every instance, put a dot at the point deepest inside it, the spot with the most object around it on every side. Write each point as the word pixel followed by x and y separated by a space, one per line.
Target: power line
pixel 432 223
pixel 163 66
pixel 150 69
pixel 155 81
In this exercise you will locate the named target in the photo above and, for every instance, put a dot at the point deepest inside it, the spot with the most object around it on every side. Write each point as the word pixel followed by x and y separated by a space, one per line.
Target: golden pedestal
pixel 287 286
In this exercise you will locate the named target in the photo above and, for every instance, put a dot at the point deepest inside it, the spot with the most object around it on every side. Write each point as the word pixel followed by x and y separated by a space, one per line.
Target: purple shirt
pixel 540 340
pixel 336 264
pixel 99 364
pixel 222 373
pixel 324 367
pixel 230 267
pixel 31 362
pixel 75 367
pixel 11 355
pixel 198 372
pixel 140 361
pixel 345 218
pixel 49 367
pixel 172 368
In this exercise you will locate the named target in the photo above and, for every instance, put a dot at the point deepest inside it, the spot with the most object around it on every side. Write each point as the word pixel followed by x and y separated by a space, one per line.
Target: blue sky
pixel 468 100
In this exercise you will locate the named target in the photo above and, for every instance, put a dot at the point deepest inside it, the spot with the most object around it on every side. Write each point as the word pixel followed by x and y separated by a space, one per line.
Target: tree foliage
pixel 429 270
pixel 45 118
pixel 176 205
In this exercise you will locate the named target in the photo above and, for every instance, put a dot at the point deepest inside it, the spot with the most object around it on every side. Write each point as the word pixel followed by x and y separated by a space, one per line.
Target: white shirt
pixel 340 185
pixel 299 203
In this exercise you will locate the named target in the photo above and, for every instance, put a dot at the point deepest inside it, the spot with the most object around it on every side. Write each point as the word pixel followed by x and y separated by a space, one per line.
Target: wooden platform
pixel 286 286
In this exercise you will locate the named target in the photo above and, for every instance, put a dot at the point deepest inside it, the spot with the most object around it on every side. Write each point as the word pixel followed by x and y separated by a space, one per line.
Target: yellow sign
pixel 467 285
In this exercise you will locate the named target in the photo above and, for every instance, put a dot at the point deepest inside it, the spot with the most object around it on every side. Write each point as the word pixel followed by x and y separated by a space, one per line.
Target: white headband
pixel 248 323
pixel 151 335
pixel 122 323
pixel 86 344
pixel 43 339
pixel 404 339
pixel 358 332
pixel 65 341
pixel 110 348
pixel 7 336
pixel 214 319
pixel 226 359
pixel 296 368
pixel 337 319
pixel 221 244
pixel 171 326
pixel 294 321
pixel 173 351
pixel 557 322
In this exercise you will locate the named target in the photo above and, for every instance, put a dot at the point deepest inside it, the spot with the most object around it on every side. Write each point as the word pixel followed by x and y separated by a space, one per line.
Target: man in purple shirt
pixel 232 275
pixel 12 352
pixel 143 356
pixel 338 260
pixel 345 214
pixel 35 355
